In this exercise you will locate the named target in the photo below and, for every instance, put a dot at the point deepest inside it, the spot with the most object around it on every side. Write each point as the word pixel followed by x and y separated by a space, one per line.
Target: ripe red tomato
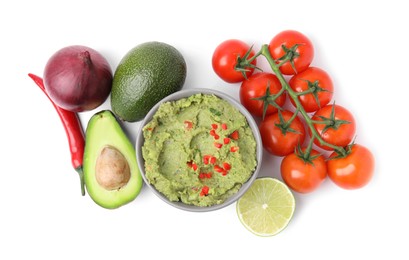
pixel 302 176
pixel 225 58
pixel 274 140
pixel 302 56
pixel 256 87
pixel 339 134
pixel 353 171
pixel 316 80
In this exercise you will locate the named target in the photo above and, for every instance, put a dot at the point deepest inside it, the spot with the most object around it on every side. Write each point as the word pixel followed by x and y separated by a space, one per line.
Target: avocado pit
pixel 112 170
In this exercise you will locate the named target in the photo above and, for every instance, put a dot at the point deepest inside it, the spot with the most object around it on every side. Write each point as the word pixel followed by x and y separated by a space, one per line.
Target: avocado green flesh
pixel 145 75
pixel 103 130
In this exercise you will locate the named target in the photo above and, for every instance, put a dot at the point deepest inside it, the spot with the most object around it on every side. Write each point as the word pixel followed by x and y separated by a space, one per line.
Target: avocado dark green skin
pixel 145 75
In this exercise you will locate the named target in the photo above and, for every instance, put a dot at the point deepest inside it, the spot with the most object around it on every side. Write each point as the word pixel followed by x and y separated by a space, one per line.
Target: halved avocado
pixel 111 173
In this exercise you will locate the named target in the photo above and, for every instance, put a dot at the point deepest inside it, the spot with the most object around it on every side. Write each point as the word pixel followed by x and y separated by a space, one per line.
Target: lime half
pixel 267 207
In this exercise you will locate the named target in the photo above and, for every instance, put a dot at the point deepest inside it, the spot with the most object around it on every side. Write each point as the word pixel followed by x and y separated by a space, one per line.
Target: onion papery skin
pixel 78 78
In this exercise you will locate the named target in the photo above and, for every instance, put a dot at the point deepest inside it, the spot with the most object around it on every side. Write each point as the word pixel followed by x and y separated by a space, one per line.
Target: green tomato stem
pixel 309 148
pixel 255 56
pixel 308 91
pixel 322 122
pixel 282 90
pixel 300 109
pixel 282 62
pixel 289 121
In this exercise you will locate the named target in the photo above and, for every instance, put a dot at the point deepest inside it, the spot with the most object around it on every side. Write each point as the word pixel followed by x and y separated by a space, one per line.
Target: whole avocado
pixel 145 75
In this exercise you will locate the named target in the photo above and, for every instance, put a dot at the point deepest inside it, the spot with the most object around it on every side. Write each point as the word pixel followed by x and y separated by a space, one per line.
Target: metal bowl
pixel 184 94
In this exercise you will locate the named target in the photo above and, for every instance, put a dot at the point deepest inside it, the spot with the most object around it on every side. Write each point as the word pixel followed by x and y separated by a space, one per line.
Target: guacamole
pixel 198 150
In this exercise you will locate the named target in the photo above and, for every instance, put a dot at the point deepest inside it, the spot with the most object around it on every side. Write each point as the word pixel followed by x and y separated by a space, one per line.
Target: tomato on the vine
pixel 255 97
pixel 295 47
pixel 280 138
pixel 304 176
pixel 336 126
pixel 317 83
pixel 229 59
pixel 353 171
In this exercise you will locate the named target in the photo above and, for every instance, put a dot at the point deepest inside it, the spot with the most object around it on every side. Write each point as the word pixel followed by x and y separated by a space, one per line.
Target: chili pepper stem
pixel 275 67
pixel 82 182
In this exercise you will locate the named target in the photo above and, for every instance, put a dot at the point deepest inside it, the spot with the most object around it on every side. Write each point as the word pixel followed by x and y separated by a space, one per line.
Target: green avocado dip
pixel 198 150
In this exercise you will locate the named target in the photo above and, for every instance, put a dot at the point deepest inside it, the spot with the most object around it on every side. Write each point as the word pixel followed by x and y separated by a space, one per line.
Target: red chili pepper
pixel 218 145
pixel 192 165
pixel 188 124
pixel 204 175
pixel 212 132
pixel 224 126
pixel 226 166
pixel 213 160
pixel 217 168
pixel 73 129
pixel 235 135
pixel 234 149
pixel 205 191
pixel 226 140
pixel 206 159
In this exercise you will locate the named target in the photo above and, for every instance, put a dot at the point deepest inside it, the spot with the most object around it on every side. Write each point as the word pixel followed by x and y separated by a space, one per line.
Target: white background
pixel 363 46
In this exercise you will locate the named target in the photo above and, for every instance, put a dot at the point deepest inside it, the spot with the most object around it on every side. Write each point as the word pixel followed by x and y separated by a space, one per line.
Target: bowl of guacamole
pixel 199 149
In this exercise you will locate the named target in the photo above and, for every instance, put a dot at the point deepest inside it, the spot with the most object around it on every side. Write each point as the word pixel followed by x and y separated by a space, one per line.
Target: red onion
pixel 78 78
